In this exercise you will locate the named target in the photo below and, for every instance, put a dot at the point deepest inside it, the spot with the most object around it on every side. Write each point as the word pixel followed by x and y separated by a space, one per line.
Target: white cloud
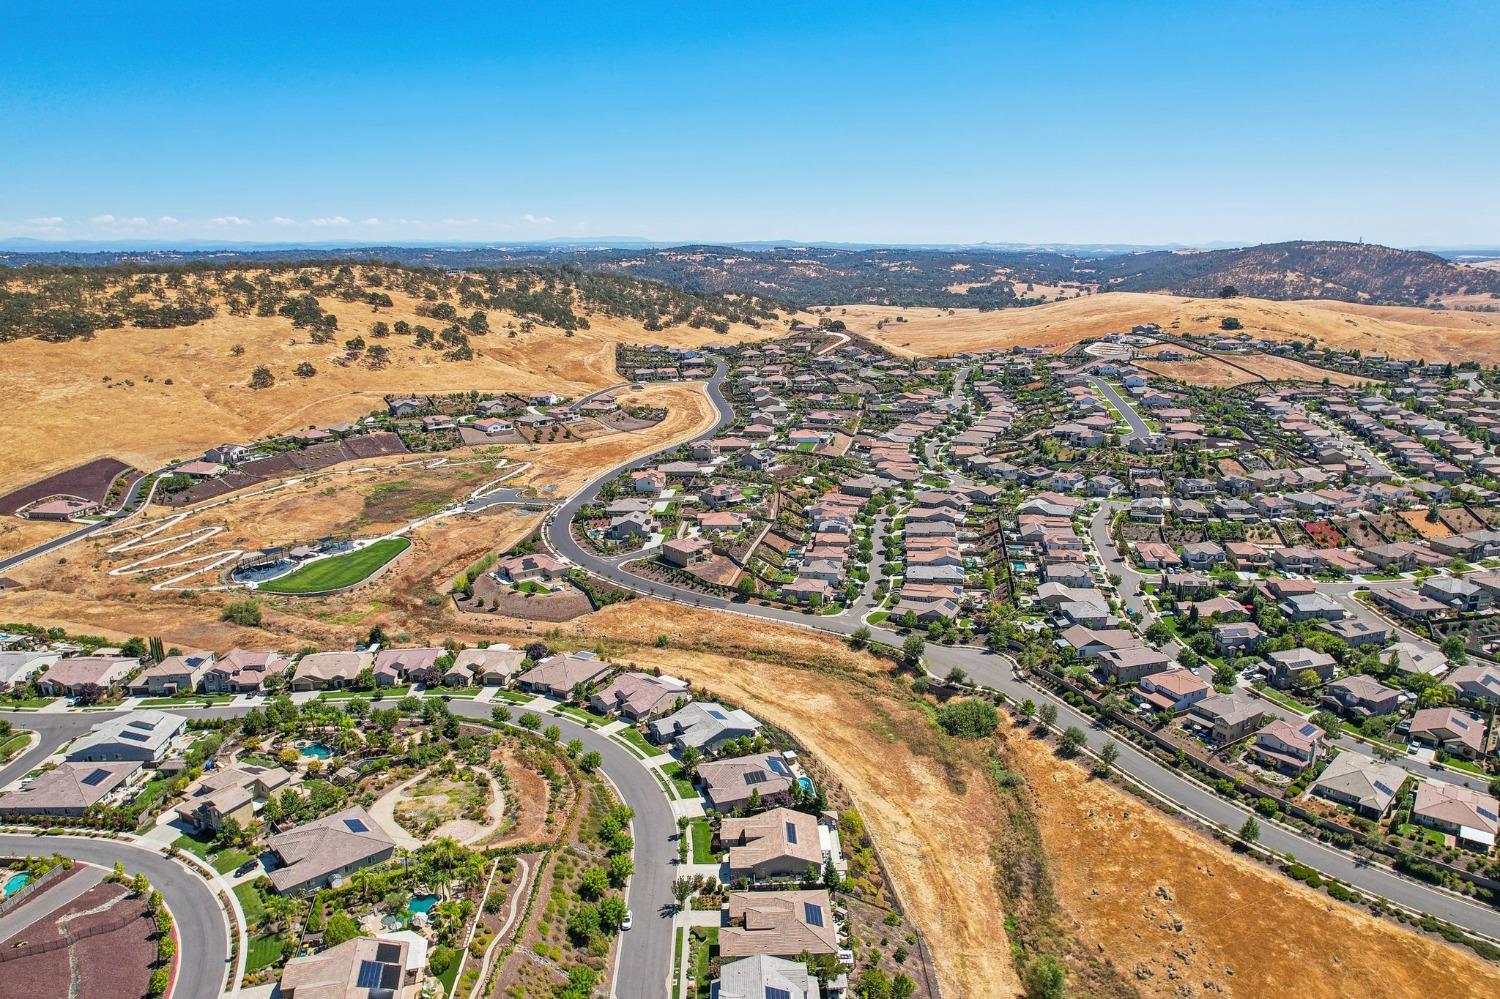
pixel 537 219
pixel 229 220
pixel 102 219
pixel 371 221
pixel 133 220
pixel 46 220
pixel 283 220
pixel 166 220
pixel 331 220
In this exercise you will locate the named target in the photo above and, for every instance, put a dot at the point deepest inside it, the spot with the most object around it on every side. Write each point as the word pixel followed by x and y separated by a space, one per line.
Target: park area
pixel 338 571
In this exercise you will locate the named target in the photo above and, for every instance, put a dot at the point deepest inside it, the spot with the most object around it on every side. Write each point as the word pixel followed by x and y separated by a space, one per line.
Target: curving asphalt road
pixel 998 672
pixel 46 546
pixel 200 923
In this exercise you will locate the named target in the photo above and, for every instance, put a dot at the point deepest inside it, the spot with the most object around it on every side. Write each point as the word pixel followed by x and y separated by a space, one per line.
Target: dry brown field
pixel 1397 330
pixel 1215 372
pixel 152 396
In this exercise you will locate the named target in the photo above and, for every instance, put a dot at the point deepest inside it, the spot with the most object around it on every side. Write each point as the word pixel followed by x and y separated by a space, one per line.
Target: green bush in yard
pixel 968 719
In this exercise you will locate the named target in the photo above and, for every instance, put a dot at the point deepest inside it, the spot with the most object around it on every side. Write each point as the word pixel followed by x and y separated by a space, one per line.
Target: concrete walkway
pixel 49 899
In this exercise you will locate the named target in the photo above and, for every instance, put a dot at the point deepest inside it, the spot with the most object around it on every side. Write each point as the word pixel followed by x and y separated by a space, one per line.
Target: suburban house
pixel 17 668
pixel 142 736
pixel 390 966
pixel 704 726
pixel 782 924
pixel 70 677
pixel 70 790
pixel 774 843
pixel 1479 682
pixel 557 676
pixel 728 784
pixel 243 671
pixel 1471 816
pixel 330 670
pixel 229 793
pixel 1362 696
pixel 764 976
pixel 1288 665
pixel 1172 690
pixel 1230 716
pixel 1288 746
pixel 489 667
pixel 393 666
pixel 321 853
pixel 638 696
pixel 529 568
pixel 181 674
pixel 1366 785
pixel 1130 665
pixel 1451 730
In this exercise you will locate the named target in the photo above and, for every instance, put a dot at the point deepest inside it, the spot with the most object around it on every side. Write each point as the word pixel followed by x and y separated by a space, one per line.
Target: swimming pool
pixel 422 903
pixel 317 751
pixel 16 882
pixel 807 784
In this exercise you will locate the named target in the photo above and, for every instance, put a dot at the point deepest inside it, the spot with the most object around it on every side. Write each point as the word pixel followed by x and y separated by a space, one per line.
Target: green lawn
pixel 1465 766
pixel 152 702
pixel 26 703
pixel 515 696
pixel 705 941
pixel 677 963
pixel 451 692
pixel 635 738
pixel 229 859
pixel 340 570
pixel 582 715
pixel 264 952
pixel 202 847
pixel 251 902
pixel 1431 835
pixel 703 840
pixel 150 794
pixel 14 743
pixel 673 772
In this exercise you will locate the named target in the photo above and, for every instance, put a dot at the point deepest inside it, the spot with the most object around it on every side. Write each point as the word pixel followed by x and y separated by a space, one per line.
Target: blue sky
pixel 877 122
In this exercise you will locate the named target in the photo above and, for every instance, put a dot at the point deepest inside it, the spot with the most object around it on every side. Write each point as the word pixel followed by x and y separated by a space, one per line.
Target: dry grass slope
pixel 1397 330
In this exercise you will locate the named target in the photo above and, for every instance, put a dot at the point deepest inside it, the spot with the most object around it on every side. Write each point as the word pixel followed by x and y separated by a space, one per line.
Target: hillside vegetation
pixel 152 364
pixel 953 278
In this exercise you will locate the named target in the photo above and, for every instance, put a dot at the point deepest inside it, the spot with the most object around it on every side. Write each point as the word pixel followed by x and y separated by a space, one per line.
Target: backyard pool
pixel 807 784
pixel 421 903
pixel 317 751
pixel 16 882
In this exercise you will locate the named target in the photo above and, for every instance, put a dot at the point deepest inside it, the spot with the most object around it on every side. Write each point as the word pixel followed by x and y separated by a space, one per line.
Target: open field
pixel 150 396
pixel 340 570
pixel 1128 873
pixel 1398 330
pixel 1210 371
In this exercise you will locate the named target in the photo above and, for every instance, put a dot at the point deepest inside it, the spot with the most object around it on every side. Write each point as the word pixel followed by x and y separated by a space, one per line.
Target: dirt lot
pixel 1417 521
pixel 1402 331
pixel 1128 874
pixel 149 396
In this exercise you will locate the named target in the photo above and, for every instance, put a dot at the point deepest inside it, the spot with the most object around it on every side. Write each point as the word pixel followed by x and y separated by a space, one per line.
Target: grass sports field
pixel 341 570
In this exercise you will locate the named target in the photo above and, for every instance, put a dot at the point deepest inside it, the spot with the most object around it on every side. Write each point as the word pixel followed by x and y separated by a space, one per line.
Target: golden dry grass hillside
pixel 148 396
pixel 1397 330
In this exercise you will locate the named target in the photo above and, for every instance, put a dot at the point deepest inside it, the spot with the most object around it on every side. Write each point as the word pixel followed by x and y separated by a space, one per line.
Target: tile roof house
pixel 390 966
pixel 1366 785
pixel 1230 716
pixel 1172 690
pixel 181 674
pixel 69 789
pixel 19 667
pixel 640 696
pixel 1362 696
pixel 142 736
pixel 1471 816
pixel 330 669
pixel 774 843
pixel 1288 665
pixel 763 977
pixel 704 725
pixel 728 784
pixel 1450 729
pixel 242 670
pixel 69 677
pixel 490 667
pixel 558 675
pixel 779 923
pixel 321 853
pixel 230 793
pixel 1288 746
pixel 1480 682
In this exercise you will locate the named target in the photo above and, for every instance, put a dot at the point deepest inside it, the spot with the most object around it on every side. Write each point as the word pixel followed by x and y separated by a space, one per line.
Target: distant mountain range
pixel 991 276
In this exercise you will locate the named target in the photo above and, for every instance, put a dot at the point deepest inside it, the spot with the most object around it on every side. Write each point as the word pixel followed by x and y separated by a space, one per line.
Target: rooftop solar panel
pixel 134 736
pixel 717 714
pixel 812 914
pixel 390 976
pixel 369 975
pixel 96 778
pixel 356 825
pixel 791 833
pixel 772 992
pixel 388 953
pixel 755 777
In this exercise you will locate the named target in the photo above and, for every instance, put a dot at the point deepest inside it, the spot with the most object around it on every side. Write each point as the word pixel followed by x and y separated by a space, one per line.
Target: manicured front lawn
pixel 264 952
pixel 582 715
pixel 13 744
pixel 1465 766
pixel 703 841
pixel 251 902
pixel 705 943
pixel 635 738
pixel 673 772
pixel 25 703
pixel 152 702
pixel 202 847
pixel 516 696
pixel 451 692
pixel 338 571
pixel 229 859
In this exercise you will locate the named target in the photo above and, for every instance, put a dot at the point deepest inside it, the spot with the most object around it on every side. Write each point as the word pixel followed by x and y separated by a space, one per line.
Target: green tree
pixel 245 613
pixel 1073 739
pixel 970 718
pixel 530 722
pixel 912 651
pixel 1250 831
pixel 1044 978
pixel 261 378
pixel 340 928
pixel 859 638
pixel 594 883
pixel 1047 713
pixel 612 913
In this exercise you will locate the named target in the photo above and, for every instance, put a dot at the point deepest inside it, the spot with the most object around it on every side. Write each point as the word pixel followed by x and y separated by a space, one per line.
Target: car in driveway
pixel 247 867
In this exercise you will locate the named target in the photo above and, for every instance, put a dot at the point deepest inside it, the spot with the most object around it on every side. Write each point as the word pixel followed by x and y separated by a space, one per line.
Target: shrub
pixel 968 719
pixel 245 613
